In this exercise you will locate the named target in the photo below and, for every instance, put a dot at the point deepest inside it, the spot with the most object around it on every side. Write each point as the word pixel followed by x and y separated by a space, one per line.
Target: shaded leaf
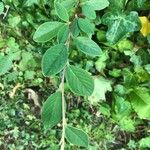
pixel 117 5
pixel 76 136
pixel 5 64
pixel 74 28
pixel 31 2
pixel 52 110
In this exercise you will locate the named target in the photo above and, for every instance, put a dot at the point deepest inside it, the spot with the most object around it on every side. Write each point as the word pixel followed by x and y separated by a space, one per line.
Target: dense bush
pixel 90 59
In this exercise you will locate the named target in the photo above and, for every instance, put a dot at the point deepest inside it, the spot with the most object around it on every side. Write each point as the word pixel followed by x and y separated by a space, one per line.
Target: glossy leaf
pixel 79 81
pixel 119 25
pixel 76 136
pixel 46 31
pixel 54 60
pixel 61 12
pixel 87 46
pixel 52 110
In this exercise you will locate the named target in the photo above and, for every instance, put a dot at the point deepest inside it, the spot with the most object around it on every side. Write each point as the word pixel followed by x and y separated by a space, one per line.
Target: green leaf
pixel 63 33
pixel 122 108
pixel 147 68
pixel 119 25
pixel 100 64
pixel 27 62
pixel 129 78
pixel 79 81
pixel 87 46
pixel 1 8
pixel 85 25
pixel 127 124
pixel 46 31
pixel 140 99
pixel 117 5
pixel 138 4
pixel 144 142
pixel 88 11
pixel 97 4
pixel 74 28
pixel 76 136
pixel 105 109
pixel 54 60
pixel 69 4
pixel 101 86
pixel 61 12
pixel 56 147
pixel 52 110
pixel 5 64
pixel 29 3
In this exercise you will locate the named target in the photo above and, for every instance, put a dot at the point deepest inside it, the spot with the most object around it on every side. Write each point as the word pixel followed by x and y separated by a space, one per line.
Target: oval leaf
pixel 61 12
pixel 87 46
pixel 97 4
pixel 85 25
pixel 74 28
pixel 76 136
pixel 52 110
pixel 88 11
pixel 46 31
pixel 69 4
pixel 79 81
pixel 54 60
pixel 63 33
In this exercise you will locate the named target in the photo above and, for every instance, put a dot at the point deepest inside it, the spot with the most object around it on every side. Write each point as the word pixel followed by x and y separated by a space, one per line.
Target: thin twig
pixel 63 112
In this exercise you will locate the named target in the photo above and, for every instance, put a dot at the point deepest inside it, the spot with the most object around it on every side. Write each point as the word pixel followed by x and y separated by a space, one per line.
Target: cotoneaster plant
pixel 74 29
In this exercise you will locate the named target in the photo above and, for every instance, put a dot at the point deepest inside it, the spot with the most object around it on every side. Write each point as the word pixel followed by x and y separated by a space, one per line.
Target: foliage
pixel 95 61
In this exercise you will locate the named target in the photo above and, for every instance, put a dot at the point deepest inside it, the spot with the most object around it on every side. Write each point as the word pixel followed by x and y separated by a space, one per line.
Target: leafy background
pixel 117 114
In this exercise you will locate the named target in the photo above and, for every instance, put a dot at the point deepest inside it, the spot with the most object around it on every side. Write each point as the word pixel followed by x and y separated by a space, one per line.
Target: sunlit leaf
pixel 145 30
